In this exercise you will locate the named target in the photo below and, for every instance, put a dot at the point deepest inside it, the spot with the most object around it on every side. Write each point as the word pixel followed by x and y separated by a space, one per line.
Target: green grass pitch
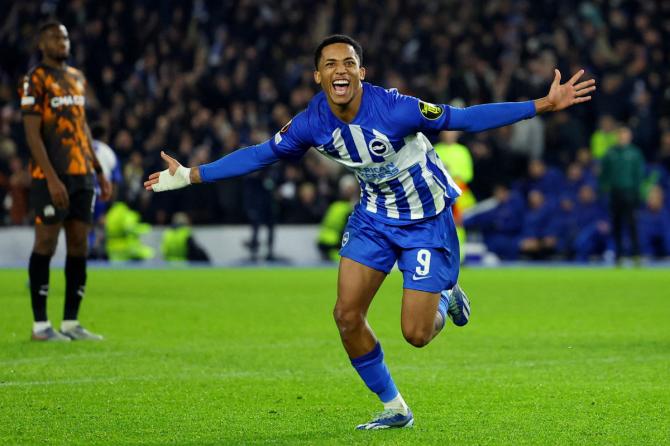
pixel 209 356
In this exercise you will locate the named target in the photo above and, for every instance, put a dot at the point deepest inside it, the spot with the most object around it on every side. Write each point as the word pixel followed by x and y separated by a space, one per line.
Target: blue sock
pixel 375 374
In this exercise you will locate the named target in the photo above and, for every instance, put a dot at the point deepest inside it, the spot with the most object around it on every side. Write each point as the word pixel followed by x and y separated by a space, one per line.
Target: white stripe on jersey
pixel 413 200
pixel 434 186
pixel 372 199
pixel 389 201
pixel 338 143
pixel 412 152
pixel 361 146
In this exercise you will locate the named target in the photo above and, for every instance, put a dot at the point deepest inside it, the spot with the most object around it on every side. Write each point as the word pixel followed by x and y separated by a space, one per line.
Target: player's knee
pixel 77 249
pixel 45 246
pixel 347 320
pixel 77 246
pixel 418 337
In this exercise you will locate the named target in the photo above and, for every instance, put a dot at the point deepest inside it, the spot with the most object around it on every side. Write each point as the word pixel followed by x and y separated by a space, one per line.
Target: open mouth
pixel 340 86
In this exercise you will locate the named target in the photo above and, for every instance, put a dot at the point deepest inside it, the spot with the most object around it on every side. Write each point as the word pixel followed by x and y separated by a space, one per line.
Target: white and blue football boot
pixel 389 419
pixel 458 305
pixel 49 334
pixel 79 333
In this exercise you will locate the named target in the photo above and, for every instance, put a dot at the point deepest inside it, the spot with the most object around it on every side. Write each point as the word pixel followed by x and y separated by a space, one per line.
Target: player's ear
pixel 317 77
pixel 361 71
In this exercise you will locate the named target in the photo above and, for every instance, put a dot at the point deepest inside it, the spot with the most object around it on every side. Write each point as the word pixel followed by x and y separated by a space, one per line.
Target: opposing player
pixel 404 212
pixel 62 167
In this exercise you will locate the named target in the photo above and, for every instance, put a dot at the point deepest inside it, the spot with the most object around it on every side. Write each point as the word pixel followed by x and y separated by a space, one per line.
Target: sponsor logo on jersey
pixel 27 100
pixel 378 146
pixel 430 111
pixel 60 101
pixel 379 173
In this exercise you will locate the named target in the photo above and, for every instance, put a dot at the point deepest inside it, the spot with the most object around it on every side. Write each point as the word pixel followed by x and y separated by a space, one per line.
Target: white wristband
pixel 181 178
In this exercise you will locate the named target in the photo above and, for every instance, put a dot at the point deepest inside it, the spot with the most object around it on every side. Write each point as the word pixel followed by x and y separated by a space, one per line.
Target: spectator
pixel 499 222
pixel 527 139
pixel 591 232
pixel 545 179
pixel 621 179
pixel 537 240
pixel 654 222
pixel 604 137
pixel 179 244
pixel 566 134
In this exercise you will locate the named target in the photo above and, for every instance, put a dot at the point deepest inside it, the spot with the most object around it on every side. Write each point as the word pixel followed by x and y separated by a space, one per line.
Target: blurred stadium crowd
pixel 202 78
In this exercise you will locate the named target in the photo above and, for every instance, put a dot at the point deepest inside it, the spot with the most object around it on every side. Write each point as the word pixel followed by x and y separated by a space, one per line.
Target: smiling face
pixel 340 75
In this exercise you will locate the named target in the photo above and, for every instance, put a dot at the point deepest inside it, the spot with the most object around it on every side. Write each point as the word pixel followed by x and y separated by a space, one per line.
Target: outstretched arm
pixel 489 116
pixel 238 163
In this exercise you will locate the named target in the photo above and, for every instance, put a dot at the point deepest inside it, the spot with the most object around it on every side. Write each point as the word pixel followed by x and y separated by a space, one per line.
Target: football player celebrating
pixel 404 214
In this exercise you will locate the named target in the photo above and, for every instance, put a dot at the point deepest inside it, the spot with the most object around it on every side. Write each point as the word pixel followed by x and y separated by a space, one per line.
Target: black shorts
pixel 81 191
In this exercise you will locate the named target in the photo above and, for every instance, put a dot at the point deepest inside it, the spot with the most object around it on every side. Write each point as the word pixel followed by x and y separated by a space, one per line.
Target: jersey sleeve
pixel 31 92
pixel 239 162
pixel 414 115
pixel 294 139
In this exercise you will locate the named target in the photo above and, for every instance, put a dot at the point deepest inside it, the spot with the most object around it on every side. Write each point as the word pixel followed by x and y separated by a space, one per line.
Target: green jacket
pixel 622 170
pixel 174 246
pixel 457 159
pixel 333 222
pixel 602 142
pixel 123 229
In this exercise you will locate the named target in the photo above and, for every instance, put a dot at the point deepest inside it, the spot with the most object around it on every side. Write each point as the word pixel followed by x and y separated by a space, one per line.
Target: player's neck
pixel 53 63
pixel 347 112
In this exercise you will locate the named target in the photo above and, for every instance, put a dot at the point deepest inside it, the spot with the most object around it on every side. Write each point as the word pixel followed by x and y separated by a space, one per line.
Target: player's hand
pixel 105 188
pixel 58 192
pixel 567 94
pixel 175 176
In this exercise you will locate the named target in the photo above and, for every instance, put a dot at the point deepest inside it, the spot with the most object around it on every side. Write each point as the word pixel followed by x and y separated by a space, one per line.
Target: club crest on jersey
pixel 378 146
pixel 430 111
pixel 345 239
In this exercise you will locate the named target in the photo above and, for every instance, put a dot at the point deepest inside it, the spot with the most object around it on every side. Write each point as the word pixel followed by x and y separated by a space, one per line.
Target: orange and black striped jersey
pixel 58 96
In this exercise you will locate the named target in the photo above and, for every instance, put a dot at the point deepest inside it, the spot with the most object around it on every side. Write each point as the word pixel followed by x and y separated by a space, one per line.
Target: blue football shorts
pixel 427 251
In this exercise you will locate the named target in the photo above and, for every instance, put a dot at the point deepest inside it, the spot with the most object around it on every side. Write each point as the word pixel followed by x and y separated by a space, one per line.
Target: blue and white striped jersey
pixel 401 177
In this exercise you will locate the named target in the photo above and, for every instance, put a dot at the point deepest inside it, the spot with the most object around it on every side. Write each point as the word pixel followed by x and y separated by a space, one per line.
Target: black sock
pixel 75 283
pixel 38 274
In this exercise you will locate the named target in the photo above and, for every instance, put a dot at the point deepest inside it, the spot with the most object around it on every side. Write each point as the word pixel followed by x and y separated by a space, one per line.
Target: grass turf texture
pixel 204 356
